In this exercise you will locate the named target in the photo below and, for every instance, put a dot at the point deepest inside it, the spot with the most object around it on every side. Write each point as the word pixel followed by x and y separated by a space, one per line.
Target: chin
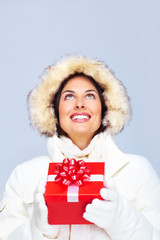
pixel 83 133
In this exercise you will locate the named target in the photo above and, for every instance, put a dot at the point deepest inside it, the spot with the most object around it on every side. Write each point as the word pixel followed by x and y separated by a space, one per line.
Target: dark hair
pixel 58 95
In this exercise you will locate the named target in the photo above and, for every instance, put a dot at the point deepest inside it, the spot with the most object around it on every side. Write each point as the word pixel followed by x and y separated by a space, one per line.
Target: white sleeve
pixel 139 219
pixel 148 193
pixel 147 201
pixel 15 220
pixel 27 231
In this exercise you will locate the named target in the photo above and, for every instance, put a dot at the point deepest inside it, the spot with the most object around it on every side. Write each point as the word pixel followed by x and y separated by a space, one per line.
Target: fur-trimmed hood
pixel 40 99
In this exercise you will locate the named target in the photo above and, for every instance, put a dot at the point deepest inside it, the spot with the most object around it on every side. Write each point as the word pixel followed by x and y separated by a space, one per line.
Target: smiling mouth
pixel 80 117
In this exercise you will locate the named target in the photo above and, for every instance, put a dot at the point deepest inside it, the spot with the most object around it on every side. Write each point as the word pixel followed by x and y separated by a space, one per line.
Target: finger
pixel 96 220
pixel 41 185
pixel 38 198
pixel 93 211
pixel 108 194
pixel 40 206
pixel 110 184
pixel 100 208
pixel 43 207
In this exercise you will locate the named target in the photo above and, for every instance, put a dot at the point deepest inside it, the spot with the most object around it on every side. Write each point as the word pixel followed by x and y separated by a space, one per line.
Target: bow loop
pixel 72 171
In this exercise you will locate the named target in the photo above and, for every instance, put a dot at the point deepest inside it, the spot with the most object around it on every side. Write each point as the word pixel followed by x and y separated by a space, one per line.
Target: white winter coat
pixel 134 179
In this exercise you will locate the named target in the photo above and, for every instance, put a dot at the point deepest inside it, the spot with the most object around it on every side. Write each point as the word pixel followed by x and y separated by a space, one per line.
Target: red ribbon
pixel 72 171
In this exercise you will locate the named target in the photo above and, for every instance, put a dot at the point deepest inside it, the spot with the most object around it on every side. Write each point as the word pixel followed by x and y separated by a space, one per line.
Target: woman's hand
pixel 105 212
pixel 40 213
pixel 118 217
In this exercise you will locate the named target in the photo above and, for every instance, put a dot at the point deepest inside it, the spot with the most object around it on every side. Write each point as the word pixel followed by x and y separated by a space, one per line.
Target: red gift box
pixel 66 204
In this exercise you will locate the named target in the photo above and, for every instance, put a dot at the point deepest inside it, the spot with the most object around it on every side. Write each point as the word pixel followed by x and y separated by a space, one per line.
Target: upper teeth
pixel 80 117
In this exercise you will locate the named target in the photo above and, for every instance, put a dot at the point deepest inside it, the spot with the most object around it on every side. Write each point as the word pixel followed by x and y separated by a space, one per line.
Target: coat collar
pixel 115 159
pixel 105 146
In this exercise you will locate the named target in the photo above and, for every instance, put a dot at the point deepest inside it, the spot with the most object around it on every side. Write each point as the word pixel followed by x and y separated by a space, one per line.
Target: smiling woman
pixel 79 106
pixel 80 110
pixel 92 91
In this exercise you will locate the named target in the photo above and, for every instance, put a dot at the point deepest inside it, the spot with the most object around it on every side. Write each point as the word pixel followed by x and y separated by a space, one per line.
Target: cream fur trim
pixel 116 99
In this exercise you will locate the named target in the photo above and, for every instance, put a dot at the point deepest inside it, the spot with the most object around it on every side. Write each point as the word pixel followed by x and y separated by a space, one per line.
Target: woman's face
pixel 80 108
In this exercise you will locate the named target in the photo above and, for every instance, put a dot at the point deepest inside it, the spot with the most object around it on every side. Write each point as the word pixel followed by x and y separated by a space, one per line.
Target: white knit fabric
pixel 64 148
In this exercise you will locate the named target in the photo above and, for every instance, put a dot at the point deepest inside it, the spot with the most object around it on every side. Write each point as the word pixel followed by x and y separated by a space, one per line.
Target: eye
pixel 69 96
pixel 90 96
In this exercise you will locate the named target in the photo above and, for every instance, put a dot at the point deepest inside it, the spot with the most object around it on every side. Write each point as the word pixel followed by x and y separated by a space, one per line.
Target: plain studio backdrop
pixel 125 34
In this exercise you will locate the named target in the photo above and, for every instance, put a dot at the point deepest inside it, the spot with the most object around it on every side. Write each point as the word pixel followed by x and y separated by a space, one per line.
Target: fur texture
pixel 116 99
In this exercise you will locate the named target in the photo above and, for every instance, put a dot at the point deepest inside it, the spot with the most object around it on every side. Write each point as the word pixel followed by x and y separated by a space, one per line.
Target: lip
pixel 80 120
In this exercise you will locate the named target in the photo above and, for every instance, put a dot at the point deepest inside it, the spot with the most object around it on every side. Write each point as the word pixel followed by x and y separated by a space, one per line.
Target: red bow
pixel 72 171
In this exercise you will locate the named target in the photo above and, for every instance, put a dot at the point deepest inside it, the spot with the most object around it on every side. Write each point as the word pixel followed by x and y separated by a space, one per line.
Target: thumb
pixel 110 184
pixel 40 186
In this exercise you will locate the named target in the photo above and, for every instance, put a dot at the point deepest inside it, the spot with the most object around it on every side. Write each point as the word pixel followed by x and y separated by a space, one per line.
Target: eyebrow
pixel 71 91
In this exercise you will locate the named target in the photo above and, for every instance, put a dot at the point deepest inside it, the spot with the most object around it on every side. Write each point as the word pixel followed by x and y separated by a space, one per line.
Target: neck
pixel 81 142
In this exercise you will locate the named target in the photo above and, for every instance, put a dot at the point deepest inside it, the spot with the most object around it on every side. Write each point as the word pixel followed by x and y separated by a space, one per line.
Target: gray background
pixel 34 34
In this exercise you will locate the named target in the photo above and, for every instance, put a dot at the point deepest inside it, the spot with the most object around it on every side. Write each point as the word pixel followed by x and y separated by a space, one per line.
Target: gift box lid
pixel 58 191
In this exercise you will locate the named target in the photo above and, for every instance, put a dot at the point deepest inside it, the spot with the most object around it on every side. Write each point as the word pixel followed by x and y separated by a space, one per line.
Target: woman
pixel 79 105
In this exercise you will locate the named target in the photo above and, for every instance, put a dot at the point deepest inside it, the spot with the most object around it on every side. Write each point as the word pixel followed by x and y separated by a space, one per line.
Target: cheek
pixel 64 110
pixel 61 110
pixel 97 109
pixel 61 116
pixel 99 113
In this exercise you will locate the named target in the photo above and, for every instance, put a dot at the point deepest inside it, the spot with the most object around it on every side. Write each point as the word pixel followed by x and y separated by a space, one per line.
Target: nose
pixel 79 104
